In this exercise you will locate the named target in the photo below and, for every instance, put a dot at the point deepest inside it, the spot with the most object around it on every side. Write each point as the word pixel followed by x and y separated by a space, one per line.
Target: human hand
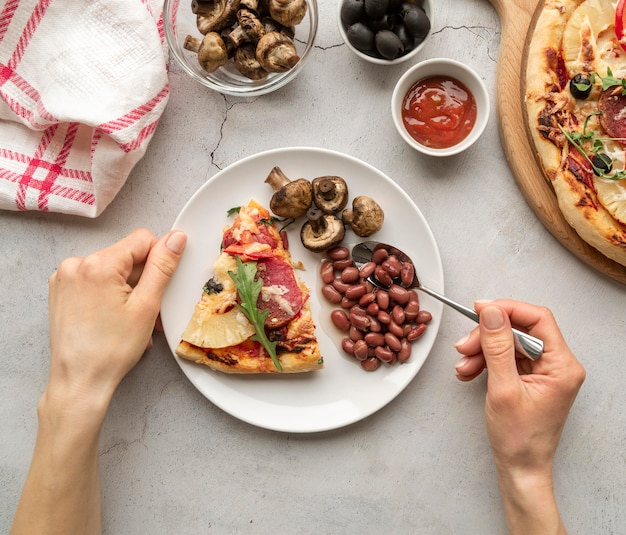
pixel 103 310
pixel 527 401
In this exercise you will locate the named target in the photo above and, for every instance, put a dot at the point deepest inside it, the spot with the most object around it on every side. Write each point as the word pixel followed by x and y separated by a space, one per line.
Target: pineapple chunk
pixel 210 330
pixel 586 31
pixel 612 195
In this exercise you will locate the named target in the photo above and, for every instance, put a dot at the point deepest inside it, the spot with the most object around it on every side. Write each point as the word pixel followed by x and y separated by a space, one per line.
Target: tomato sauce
pixel 439 112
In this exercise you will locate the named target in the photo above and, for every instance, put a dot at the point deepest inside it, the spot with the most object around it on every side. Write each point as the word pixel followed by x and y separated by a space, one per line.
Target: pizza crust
pixel 579 203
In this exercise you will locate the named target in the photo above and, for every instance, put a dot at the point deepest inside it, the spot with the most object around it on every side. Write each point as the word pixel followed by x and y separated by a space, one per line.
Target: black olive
pixel 580 86
pixel 388 44
pixel 415 20
pixel 408 42
pixel 352 11
pixel 602 164
pixel 361 37
pixel 375 9
pixel 384 23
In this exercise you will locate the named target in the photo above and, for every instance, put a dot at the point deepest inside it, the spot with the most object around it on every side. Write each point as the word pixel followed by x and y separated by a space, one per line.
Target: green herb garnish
pixel 609 80
pixel 249 289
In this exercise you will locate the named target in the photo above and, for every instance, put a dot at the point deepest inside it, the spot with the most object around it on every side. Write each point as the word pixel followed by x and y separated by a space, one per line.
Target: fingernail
pixel 492 318
pixel 176 242
pixel 462 362
pixel 462 341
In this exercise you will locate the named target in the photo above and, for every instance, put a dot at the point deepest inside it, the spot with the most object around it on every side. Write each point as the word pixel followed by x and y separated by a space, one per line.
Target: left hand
pixel 103 310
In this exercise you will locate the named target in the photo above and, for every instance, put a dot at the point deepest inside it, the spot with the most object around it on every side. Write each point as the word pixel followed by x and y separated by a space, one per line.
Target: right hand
pixel 527 401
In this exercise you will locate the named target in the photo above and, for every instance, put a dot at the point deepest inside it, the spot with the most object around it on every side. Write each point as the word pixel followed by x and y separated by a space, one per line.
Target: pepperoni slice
pixel 281 295
pixel 612 104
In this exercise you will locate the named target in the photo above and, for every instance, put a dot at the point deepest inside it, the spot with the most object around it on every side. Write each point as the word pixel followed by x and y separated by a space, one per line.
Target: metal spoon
pixel 525 344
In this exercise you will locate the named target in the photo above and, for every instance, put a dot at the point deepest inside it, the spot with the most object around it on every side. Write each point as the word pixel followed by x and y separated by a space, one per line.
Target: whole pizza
pixel 575 98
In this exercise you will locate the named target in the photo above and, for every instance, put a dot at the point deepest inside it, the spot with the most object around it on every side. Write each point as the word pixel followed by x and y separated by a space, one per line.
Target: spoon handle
pixel 525 344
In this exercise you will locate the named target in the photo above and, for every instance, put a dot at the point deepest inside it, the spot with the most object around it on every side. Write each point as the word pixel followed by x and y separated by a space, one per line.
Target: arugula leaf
pixel 609 80
pixel 249 290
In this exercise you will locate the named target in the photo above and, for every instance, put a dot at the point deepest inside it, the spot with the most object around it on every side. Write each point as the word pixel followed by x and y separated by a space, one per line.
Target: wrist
pixel 64 407
pixel 529 502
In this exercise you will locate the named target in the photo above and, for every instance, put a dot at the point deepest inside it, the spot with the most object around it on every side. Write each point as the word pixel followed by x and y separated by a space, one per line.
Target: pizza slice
pixel 254 315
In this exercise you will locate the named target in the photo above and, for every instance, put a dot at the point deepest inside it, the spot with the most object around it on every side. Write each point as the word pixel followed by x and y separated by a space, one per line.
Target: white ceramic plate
pixel 342 393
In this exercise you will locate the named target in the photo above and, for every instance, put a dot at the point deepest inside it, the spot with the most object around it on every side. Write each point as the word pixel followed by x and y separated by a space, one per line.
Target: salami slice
pixel 612 104
pixel 281 295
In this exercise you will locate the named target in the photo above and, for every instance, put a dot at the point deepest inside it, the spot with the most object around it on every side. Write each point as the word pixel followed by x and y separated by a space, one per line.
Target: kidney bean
pixel 374 339
pixel 407 273
pixel 384 353
pixel 338 253
pixel 356 292
pixel 398 294
pixel 367 299
pixel 360 349
pixel 379 256
pixel 383 317
pixel 411 310
pixel 367 269
pixel 347 345
pixel 370 364
pixel 340 319
pixel 416 332
pixel 382 276
pixel 327 272
pixel 391 267
pixel 393 342
pixel 396 329
pixel 375 325
pixel 398 315
pixel 341 286
pixel 343 264
pixel 347 303
pixel 382 298
pixel 372 309
pixel 355 334
pixel 424 317
pixel 331 294
pixel 359 320
pixel 405 351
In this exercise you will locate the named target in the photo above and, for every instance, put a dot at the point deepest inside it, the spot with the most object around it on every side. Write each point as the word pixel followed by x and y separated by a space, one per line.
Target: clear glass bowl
pixel 180 21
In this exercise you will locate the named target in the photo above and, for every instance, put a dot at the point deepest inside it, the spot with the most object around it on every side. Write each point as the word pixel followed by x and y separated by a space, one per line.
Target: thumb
pixel 496 339
pixel 161 265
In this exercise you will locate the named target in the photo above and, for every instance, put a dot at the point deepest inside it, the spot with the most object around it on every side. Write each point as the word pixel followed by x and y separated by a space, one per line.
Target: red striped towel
pixel 83 85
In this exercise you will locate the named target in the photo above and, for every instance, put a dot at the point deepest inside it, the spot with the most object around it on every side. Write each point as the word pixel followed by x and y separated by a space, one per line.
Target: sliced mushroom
pixel 211 50
pixel 219 15
pixel 322 231
pixel 330 193
pixel 291 199
pixel 246 63
pixel 276 52
pixel 287 12
pixel 249 29
pixel 366 216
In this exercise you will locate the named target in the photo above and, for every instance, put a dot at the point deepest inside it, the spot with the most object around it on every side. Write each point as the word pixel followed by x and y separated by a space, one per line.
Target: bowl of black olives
pixel 385 32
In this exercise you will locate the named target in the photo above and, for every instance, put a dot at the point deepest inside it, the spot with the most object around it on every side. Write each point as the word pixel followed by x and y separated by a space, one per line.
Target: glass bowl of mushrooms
pixel 241 47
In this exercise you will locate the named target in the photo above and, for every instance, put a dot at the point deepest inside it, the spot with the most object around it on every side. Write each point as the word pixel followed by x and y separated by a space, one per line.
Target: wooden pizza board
pixel 517 20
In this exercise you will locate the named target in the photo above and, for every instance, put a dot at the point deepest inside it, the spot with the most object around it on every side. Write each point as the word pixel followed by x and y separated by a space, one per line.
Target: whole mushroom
pixel 214 15
pixel 321 231
pixel 291 199
pixel 246 63
pixel 287 12
pixel 330 193
pixel 276 52
pixel 365 217
pixel 211 50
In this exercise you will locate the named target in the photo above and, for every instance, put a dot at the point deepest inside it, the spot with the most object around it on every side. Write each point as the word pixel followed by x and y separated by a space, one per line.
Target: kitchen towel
pixel 83 85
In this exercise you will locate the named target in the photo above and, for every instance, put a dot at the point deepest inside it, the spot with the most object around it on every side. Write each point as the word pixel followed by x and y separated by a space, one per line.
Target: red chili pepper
pixel 619 23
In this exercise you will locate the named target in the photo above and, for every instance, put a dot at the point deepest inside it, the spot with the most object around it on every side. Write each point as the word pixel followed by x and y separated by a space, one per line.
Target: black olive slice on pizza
pixel 254 315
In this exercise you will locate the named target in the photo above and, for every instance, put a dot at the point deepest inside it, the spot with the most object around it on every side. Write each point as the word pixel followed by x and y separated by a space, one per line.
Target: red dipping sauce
pixel 438 112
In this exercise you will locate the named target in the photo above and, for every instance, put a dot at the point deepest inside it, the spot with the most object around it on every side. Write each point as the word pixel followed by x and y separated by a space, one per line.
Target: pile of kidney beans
pixel 379 324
